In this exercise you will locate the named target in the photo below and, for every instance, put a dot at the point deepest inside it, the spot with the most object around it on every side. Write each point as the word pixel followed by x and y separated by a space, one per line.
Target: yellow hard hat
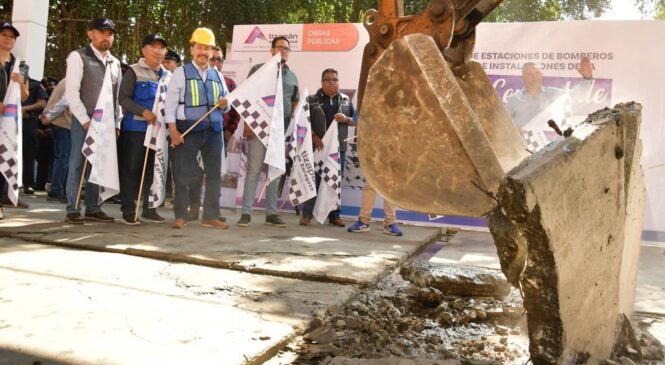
pixel 203 36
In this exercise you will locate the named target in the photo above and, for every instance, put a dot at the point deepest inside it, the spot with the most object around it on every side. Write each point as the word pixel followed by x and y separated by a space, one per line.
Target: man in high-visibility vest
pixel 194 90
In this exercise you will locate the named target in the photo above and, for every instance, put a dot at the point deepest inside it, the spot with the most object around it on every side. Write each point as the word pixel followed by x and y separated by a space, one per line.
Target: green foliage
pixel 176 19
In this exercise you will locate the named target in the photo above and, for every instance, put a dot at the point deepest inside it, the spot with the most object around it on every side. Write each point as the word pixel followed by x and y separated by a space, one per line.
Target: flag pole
pixel 199 121
pixel 263 191
pixel 138 199
pixel 78 195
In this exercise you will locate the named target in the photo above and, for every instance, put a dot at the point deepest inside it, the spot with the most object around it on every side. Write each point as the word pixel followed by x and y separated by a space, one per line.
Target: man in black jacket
pixel 328 106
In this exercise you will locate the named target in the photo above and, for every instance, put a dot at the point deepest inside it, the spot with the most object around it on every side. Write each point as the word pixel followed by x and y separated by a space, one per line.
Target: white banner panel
pixel 626 58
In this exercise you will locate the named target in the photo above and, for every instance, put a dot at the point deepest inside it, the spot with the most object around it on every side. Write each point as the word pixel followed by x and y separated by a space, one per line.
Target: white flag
pixel 327 166
pixel 275 158
pixel 155 139
pixel 302 185
pixel 537 133
pixel 254 99
pixel 99 146
pixel 10 138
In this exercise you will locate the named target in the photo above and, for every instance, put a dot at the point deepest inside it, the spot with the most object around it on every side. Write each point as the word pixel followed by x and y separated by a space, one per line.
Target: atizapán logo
pixel 254 35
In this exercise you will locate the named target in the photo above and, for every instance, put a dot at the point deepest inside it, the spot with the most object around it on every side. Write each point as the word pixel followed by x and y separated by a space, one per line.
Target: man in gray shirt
pixel 257 151
pixel 528 102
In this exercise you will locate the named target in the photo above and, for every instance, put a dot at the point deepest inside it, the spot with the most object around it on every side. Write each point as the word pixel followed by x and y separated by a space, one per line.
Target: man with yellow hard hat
pixel 196 88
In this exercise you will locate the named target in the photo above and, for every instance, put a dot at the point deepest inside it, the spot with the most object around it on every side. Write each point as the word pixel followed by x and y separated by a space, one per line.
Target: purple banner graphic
pixel 598 96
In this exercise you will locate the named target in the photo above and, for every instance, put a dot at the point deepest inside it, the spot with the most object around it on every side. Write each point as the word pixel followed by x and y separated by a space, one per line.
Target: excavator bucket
pixel 434 139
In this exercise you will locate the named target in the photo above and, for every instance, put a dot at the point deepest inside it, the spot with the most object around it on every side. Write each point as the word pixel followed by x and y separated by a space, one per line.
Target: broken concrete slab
pixel 457 279
pixel 468 248
pixel 79 307
pixel 575 207
pixel 317 252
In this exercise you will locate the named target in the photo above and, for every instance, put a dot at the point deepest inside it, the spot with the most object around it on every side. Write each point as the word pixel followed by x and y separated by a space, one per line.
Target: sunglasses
pixel 218 59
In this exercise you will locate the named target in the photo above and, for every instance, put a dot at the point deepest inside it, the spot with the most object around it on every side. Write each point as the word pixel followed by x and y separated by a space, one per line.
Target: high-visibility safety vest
pixel 201 97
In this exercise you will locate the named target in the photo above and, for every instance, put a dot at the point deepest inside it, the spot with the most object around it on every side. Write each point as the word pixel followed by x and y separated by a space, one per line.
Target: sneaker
pixel 2 213
pixel 244 220
pixel 56 198
pixel 99 217
pixel 213 223
pixel 336 222
pixel 29 191
pixel 153 217
pixel 275 221
pixel 129 220
pixel 392 230
pixel 74 218
pixel 359 226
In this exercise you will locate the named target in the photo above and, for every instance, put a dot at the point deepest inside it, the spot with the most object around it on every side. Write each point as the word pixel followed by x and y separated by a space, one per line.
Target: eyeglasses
pixel 217 59
pixel 330 80
pixel 283 49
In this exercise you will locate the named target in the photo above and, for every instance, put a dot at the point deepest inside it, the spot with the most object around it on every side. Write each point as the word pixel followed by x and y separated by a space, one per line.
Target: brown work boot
pixel 336 222
pixel 179 223
pixel 304 221
pixel 214 223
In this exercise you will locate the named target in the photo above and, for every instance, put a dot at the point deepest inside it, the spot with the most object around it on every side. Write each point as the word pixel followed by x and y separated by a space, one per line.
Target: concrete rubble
pixel 567 230
pixel 399 321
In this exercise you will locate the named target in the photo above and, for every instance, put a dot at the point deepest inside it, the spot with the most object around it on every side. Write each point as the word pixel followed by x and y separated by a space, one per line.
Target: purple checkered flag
pixel 99 146
pixel 353 174
pixel 10 138
pixel 254 99
pixel 327 162
pixel 155 139
pixel 302 185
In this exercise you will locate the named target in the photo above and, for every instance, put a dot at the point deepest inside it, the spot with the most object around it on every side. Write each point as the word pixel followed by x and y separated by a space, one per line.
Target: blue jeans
pixel 76 161
pixel 209 143
pixel 255 155
pixel 62 145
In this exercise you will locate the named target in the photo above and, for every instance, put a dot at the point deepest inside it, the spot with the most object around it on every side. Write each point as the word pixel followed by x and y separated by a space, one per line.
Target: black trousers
pixel 30 146
pixel 44 158
pixel 131 157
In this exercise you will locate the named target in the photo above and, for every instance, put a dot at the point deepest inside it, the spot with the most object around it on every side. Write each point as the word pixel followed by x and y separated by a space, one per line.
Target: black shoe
pixel 115 199
pixel 153 217
pixel 99 217
pixel 74 218
pixel 244 220
pixel 275 221
pixel 56 198
pixel 28 191
pixel 129 220
pixel 336 222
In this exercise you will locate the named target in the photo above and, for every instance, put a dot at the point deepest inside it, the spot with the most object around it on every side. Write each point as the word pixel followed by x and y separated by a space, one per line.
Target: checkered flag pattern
pixel 353 174
pixel 254 99
pixel 534 140
pixel 257 121
pixel 155 139
pixel 9 166
pixel 10 138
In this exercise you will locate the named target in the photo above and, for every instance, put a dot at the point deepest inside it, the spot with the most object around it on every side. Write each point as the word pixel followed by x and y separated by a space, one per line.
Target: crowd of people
pixel 58 115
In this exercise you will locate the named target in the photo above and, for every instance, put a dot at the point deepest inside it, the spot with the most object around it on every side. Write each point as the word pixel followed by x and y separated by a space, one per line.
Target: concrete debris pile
pixel 399 319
